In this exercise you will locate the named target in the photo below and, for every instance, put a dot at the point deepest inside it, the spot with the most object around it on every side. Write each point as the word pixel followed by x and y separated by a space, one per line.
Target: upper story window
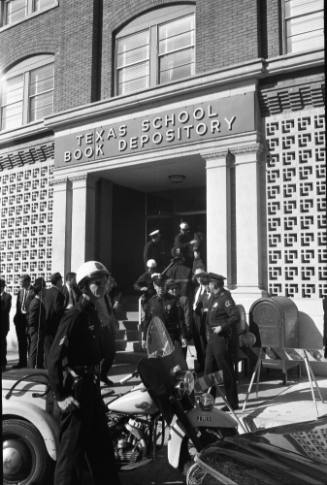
pixel 17 10
pixel 26 93
pixel 156 48
pixel 304 25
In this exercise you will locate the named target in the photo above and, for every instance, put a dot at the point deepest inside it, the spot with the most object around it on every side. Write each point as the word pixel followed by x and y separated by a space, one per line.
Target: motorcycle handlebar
pixel 128 377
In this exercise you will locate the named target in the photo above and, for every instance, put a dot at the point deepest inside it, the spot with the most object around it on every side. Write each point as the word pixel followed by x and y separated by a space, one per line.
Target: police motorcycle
pixel 189 412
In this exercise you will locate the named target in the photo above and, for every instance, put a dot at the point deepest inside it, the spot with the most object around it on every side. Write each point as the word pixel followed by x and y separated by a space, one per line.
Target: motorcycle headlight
pixel 207 401
pixel 185 383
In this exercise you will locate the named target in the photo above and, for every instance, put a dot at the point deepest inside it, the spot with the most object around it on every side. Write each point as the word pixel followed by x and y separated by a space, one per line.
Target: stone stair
pixel 127 337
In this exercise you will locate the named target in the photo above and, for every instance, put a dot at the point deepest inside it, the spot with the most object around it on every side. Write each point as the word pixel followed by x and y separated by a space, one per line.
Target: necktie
pixel 23 308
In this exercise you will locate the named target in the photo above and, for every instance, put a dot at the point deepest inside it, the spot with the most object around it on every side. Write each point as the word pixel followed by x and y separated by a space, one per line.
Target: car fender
pixel 43 422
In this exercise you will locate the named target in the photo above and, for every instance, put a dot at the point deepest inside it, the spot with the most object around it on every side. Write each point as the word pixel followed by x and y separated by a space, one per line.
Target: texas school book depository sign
pixel 178 126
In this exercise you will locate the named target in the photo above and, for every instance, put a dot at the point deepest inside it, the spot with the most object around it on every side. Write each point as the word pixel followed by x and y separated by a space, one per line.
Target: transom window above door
pixel 155 48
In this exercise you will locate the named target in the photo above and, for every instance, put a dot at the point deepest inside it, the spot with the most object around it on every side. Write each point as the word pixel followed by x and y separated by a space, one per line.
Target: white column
pixel 217 250
pixel 61 227
pixel 83 220
pixel 249 164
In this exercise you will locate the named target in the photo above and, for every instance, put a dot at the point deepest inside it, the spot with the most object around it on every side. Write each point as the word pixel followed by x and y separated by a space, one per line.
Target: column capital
pixel 56 181
pixel 218 158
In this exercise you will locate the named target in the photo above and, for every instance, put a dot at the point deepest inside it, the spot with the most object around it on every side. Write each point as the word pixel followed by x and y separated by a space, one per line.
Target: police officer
pixel 73 367
pixel 222 317
pixel 155 249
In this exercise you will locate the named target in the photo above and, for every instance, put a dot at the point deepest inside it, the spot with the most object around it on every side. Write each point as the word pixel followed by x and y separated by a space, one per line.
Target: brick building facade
pixel 238 111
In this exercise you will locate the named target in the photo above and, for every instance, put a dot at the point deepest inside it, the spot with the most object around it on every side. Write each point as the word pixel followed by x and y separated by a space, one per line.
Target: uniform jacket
pixel 5 310
pixel 169 311
pixel 183 275
pixel 29 297
pixel 145 280
pixel 54 309
pixel 78 342
pixel 223 312
pixel 155 250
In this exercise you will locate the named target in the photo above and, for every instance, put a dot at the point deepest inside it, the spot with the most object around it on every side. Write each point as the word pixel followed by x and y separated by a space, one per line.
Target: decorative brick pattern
pixel 26 207
pixel 296 204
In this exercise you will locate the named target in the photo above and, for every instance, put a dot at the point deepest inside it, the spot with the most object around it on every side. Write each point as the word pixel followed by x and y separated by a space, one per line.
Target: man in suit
pixel 54 310
pixel 35 326
pixel 70 291
pixel 24 298
pixel 4 328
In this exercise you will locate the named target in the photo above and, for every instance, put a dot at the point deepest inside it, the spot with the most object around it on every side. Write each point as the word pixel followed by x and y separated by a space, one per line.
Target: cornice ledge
pixel 98 111
pixel 256 147
pixel 294 62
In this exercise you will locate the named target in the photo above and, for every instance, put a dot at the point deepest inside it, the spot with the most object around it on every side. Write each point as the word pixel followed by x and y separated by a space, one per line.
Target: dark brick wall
pixel 70 37
pixel 274 28
pixel 227 33
pixel 80 34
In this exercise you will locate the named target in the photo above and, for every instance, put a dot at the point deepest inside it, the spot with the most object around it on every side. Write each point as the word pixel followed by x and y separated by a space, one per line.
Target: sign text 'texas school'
pixel 192 123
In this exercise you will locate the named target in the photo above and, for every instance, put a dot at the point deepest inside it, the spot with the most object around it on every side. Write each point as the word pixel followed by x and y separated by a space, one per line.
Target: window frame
pixel 30 12
pixel 24 69
pixel 288 18
pixel 151 21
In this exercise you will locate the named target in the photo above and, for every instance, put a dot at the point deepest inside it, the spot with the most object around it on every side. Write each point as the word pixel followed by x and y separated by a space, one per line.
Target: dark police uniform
pixel 222 312
pixel 77 350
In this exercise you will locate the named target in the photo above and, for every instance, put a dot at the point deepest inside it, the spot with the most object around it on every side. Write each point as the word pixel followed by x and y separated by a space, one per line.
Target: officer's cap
pixel 199 272
pixel 184 226
pixel 157 280
pixel 151 263
pixel 156 232
pixel 216 277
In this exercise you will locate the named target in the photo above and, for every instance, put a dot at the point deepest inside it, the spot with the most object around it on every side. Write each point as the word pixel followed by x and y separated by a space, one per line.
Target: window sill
pixel 32 16
pixel 294 61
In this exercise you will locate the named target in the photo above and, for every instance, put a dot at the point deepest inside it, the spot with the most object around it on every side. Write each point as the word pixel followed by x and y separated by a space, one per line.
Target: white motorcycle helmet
pixel 90 269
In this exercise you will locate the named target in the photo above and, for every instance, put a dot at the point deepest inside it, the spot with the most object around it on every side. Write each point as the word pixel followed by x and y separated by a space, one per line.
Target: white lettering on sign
pixel 188 124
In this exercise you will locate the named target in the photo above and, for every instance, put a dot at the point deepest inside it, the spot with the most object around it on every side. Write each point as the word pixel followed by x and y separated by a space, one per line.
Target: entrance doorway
pixel 166 210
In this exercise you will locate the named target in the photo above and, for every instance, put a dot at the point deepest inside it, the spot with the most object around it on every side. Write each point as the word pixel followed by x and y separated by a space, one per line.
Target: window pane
pixel 300 7
pixel 133 41
pixel 42 4
pixel 15 11
pixel 40 106
pixel 170 29
pixel 41 80
pixel 176 66
pixel 308 23
pixel 176 42
pixel 12 90
pixel 306 41
pixel 133 72
pixel 12 116
pixel 134 85
pixel 133 56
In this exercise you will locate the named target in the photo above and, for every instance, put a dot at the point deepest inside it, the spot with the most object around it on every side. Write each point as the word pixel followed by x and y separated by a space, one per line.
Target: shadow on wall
pixel 309 335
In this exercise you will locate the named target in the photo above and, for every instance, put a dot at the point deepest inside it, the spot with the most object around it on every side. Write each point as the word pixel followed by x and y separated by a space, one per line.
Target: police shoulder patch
pixel 227 303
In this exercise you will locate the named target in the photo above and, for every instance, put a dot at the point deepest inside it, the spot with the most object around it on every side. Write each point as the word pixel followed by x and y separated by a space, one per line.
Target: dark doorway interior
pixel 136 214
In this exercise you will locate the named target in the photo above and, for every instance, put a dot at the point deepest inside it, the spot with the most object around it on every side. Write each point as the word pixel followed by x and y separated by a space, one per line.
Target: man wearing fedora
pixel 221 320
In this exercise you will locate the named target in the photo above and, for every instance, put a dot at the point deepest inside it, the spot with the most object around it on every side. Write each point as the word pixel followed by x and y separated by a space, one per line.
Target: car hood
pixel 295 454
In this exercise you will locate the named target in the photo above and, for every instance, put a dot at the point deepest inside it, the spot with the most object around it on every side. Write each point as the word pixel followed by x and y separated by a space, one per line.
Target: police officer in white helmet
pixel 74 367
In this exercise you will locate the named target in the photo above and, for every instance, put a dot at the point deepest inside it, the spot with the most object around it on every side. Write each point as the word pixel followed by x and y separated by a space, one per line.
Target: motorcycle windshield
pixel 157 371
pixel 158 341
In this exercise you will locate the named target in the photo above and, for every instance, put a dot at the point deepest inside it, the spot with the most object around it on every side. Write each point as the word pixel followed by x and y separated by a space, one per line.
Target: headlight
pixel 207 401
pixel 185 382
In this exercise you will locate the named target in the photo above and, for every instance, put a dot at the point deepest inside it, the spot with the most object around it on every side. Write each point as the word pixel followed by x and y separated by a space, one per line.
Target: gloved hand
pixel 68 404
